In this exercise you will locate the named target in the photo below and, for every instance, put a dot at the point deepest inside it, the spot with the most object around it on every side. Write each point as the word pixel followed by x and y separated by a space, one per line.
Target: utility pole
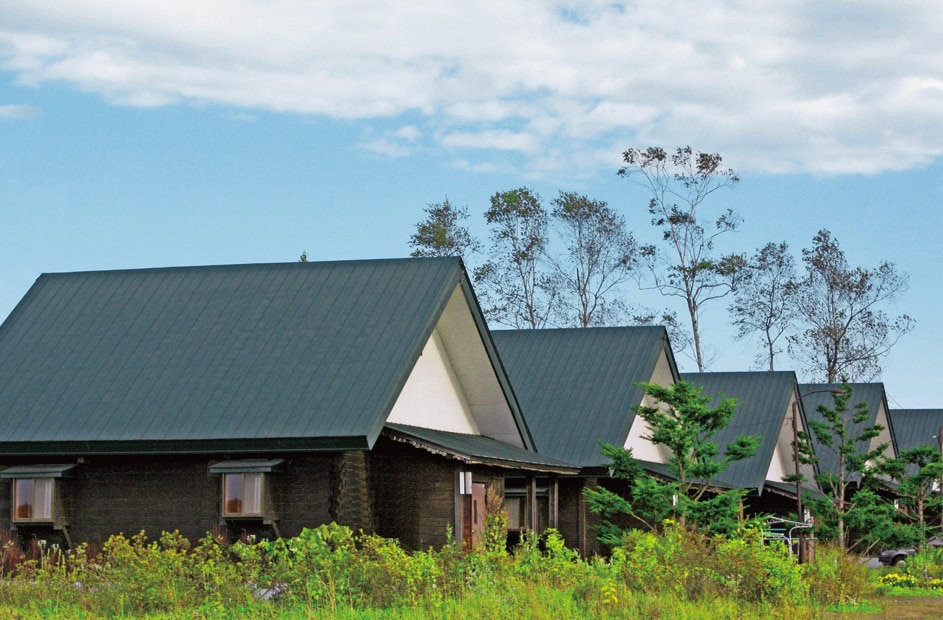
pixel 800 552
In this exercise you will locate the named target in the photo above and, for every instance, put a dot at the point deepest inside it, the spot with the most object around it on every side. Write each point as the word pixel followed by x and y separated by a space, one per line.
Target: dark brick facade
pixel 395 490
pixel 112 495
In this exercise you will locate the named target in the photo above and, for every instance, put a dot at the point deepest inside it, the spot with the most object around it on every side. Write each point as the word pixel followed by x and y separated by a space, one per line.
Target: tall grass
pixel 331 571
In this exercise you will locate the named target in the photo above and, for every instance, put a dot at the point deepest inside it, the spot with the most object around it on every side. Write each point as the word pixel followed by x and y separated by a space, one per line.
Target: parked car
pixel 898 557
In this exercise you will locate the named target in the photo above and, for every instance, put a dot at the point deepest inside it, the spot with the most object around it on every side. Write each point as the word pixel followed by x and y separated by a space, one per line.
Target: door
pixel 478 513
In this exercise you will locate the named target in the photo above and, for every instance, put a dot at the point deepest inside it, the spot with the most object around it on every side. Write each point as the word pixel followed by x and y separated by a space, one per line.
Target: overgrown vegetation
pixel 331 571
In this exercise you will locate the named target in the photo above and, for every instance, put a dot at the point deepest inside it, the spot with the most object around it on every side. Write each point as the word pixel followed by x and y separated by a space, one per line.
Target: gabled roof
pixel 917 427
pixel 764 408
pixel 870 393
pixel 222 358
pixel 477 449
pixel 577 386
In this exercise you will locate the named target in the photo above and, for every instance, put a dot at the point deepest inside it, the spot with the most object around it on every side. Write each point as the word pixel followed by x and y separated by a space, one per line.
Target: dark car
pixel 896 557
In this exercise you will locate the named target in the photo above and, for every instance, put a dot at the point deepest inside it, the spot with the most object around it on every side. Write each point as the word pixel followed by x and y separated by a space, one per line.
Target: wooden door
pixel 478 513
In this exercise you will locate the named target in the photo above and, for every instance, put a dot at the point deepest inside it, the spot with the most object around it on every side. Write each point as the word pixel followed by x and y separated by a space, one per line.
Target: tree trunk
pixel 695 332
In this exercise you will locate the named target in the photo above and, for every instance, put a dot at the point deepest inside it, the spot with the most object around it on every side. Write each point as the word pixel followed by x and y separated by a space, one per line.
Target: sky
pixel 155 134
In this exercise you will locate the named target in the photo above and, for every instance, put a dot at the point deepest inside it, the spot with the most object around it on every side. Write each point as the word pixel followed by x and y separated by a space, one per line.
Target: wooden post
pixel 532 503
pixel 554 519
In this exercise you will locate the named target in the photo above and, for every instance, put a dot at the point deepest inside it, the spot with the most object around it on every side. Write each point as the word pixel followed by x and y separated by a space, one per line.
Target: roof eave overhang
pixel 472 459
pixel 184 446
pixel 496 362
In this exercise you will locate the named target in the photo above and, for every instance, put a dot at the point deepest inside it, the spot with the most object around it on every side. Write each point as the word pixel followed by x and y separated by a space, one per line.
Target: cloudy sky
pixel 164 133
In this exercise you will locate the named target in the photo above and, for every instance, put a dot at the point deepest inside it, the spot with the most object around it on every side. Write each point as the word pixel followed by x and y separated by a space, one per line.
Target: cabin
pixel 261 399
pixel 874 397
pixel 578 388
pixel 769 403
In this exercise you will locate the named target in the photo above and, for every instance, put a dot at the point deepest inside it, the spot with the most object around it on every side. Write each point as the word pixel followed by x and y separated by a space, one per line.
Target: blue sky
pixel 236 132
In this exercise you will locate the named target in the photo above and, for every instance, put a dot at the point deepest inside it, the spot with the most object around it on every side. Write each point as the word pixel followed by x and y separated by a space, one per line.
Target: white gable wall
pixel 453 386
pixel 642 448
pixel 885 436
pixel 433 396
pixel 782 463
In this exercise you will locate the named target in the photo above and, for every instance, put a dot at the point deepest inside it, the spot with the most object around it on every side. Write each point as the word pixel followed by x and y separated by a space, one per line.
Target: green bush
pixel 693 566
pixel 836 578
pixel 752 571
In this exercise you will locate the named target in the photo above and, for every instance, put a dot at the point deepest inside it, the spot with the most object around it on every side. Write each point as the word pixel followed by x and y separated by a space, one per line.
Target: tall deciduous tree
pixel 515 285
pixel 687 266
pixel 684 421
pixel 765 299
pixel 844 330
pixel 442 233
pixel 843 433
pixel 601 255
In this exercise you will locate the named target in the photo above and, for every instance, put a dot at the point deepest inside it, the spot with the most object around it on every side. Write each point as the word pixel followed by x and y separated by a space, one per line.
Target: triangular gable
pixel 782 463
pixel 454 386
pixel 765 408
pixel 642 448
pixel 577 386
pixel 873 394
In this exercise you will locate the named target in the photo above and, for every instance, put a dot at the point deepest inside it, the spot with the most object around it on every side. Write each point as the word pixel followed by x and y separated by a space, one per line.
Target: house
pixel 768 401
pixel 873 395
pixel 260 399
pixel 578 387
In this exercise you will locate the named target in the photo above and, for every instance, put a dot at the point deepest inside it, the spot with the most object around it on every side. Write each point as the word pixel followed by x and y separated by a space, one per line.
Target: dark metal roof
pixel 917 427
pixel 220 358
pixel 577 386
pixel 764 399
pixel 480 449
pixel 870 393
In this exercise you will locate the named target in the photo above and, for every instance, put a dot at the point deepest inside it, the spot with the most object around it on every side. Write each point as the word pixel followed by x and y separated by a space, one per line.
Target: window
pixel 245 487
pixel 35 492
pixel 32 499
pixel 242 495
pixel 515 502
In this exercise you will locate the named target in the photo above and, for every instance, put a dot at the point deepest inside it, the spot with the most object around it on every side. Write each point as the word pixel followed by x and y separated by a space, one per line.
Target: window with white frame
pixel 244 484
pixel 33 499
pixel 243 494
pixel 34 490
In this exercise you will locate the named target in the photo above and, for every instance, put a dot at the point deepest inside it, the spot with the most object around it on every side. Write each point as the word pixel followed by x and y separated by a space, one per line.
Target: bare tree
pixel 688 266
pixel 765 299
pixel 844 331
pixel 515 286
pixel 441 232
pixel 601 255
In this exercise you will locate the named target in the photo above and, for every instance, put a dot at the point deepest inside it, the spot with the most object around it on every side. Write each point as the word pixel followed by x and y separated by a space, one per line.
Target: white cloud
pixel 818 87
pixel 18 111
pixel 496 139
pixel 409 133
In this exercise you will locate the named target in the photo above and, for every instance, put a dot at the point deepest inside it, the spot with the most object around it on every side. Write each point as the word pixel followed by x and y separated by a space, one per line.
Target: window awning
pixel 38 471
pixel 248 466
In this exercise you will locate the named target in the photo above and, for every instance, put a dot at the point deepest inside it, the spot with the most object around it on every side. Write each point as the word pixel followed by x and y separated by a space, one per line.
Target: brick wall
pixel 111 495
